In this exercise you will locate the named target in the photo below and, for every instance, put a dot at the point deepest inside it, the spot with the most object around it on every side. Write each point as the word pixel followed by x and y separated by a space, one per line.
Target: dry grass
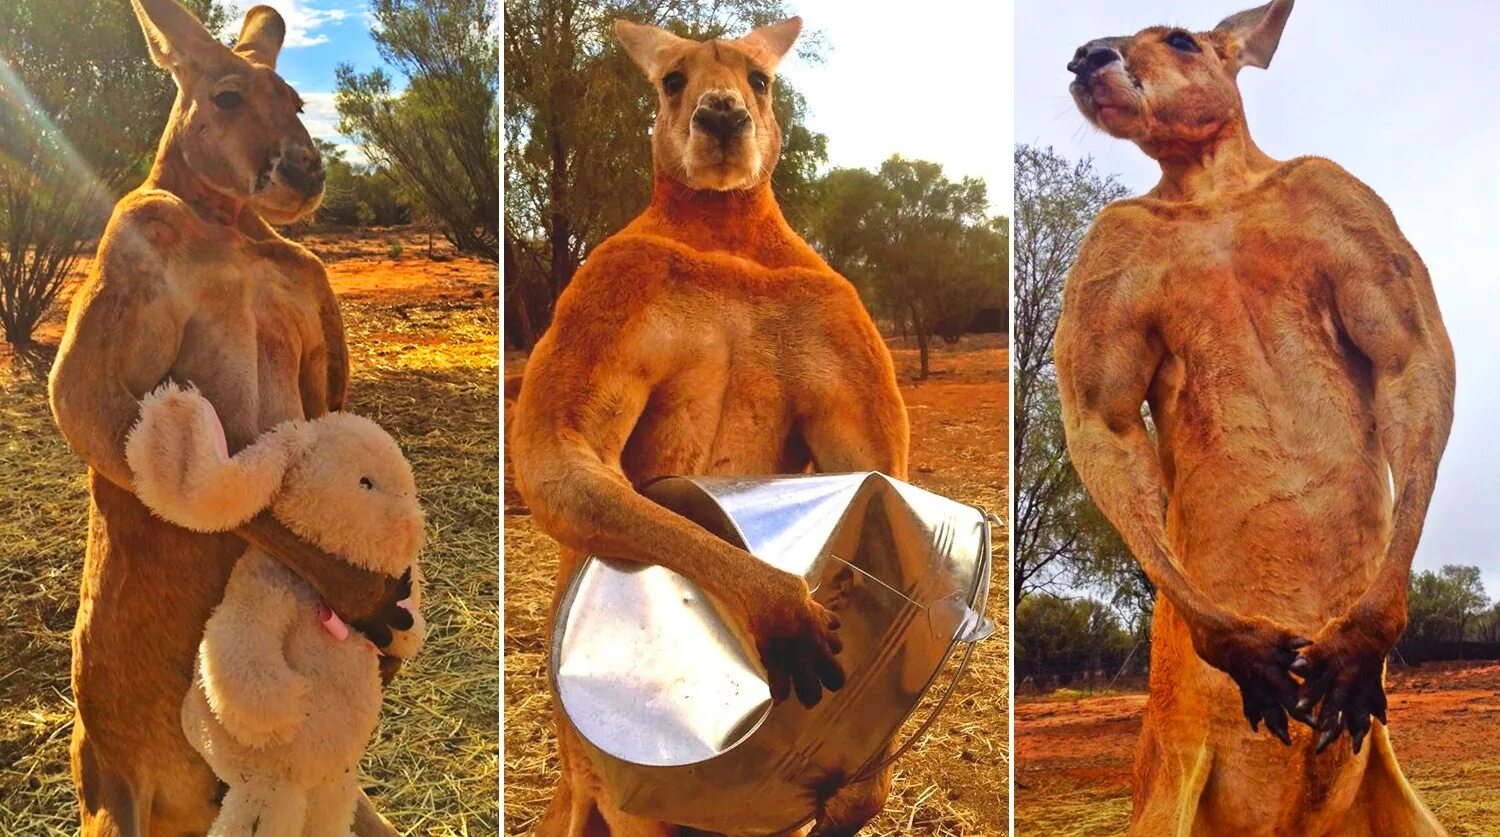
pixel 425 368
pixel 953 783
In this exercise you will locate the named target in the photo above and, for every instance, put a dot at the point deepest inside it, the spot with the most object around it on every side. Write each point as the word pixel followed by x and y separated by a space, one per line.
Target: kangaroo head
pixel 1165 86
pixel 714 125
pixel 235 121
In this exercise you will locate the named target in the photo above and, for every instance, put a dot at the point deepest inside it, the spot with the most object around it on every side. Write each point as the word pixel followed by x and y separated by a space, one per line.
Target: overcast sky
pixel 1396 94
pixel 933 85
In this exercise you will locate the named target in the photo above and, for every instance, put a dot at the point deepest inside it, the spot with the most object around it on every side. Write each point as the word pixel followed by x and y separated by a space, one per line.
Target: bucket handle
pixel 981 628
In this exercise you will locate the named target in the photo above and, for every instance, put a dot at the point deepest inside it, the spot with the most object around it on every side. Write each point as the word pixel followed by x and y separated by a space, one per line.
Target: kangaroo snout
pixel 721 114
pixel 301 167
pixel 1094 56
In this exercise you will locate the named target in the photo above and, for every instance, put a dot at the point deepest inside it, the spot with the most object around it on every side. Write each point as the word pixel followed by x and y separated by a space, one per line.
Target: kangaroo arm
pixel 569 431
pixel 1391 315
pixel 857 427
pixel 589 507
pixel 1105 360
pixel 123 335
pixel 325 373
pixel 1116 461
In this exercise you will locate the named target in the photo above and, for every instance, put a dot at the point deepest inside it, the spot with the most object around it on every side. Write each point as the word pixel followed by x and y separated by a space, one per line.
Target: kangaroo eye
pixel 1182 42
pixel 366 484
pixel 673 83
pixel 228 100
pixel 760 82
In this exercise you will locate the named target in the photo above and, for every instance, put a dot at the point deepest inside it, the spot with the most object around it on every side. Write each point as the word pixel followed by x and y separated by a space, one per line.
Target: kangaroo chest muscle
pixel 252 332
pixel 717 417
pixel 1253 349
pixel 1264 409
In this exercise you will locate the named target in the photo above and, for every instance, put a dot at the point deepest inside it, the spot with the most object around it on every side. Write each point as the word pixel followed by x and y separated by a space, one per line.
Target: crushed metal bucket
pixel 669 695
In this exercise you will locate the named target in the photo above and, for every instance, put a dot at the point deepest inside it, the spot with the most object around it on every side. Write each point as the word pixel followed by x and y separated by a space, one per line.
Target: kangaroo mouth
pixel 721 164
pixel 1106 99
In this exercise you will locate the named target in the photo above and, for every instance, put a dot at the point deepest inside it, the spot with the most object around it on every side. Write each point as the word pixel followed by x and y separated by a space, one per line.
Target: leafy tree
pixel 1441 608
pixel 920 246
pixel 1059 536
pixel 358 196
pixel 81 108
pixel 1467 598
pixel 1058 637
pixel 578 117
pixel 439 138
pixel 1487 625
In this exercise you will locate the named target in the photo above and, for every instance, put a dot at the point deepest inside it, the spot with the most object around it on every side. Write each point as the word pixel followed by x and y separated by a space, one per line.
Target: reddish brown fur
pixel 192 285
pixel 704 338
pixel 1288 342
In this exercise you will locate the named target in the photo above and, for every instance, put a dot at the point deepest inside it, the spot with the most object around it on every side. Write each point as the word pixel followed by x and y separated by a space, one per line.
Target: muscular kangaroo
pixel 704 338
pixel 1288 341
pixel 192 285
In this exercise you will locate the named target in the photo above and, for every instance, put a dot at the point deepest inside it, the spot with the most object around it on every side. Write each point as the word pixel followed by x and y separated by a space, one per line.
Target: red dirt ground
pixel 1073 753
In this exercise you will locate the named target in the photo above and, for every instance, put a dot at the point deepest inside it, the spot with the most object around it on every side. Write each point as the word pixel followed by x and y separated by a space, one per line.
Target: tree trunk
pixel 922 340
pixel 517 300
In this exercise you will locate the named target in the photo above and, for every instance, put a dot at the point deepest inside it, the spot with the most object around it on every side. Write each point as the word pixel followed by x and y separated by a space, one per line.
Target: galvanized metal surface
pixel 670 697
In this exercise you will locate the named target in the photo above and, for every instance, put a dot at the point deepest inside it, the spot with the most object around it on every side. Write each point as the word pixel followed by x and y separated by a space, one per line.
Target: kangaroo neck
pixel 745 222
pixel 171 172
pixel 1226 161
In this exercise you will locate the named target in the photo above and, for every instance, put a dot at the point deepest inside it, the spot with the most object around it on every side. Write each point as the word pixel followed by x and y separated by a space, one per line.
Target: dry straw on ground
pixel 425 368
pixel 955 782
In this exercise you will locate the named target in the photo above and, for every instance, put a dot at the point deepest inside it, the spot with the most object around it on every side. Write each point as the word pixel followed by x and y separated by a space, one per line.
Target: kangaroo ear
pixel 774 40
pixel 261 36
pixel 175 38
pixel 182 470
pixel 644 45
pixel 1255 33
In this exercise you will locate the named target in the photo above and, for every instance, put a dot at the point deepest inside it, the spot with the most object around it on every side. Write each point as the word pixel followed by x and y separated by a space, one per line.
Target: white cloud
pixel 354 154
pixel 303 19
pixel 321 119
pixel 320 116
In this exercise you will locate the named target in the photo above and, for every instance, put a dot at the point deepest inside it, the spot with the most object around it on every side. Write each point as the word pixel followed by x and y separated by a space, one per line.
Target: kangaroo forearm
pixel 1120 471
pixel 594 510
pixel 95 428
pixel 1414 413
pixel 96 387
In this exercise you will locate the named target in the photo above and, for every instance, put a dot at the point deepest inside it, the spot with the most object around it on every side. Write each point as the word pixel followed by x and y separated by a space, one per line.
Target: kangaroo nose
pixel 720 115
pixel 302 168
pixel 1093 56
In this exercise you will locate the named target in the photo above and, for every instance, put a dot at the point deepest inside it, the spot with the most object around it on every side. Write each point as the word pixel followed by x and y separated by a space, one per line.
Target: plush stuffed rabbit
pixel 284 698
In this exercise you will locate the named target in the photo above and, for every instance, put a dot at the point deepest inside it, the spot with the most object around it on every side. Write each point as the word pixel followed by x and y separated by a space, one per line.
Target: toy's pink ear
pixel 182 469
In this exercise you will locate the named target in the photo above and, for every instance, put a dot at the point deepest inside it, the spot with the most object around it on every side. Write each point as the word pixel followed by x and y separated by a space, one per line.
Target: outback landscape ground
pixel 423 339
pixel 1073 751
pixel 954 782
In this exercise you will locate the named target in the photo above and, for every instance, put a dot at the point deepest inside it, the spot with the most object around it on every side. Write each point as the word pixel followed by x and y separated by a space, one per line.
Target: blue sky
pixel 320 35
pixel 1397 94
pixel 920 85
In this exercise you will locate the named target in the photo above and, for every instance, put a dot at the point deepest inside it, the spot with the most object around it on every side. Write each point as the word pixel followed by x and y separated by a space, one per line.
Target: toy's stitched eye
pixel 760 82
pixel 228 100
pixel 673 83
pixel 366 484
pixel 1182 42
